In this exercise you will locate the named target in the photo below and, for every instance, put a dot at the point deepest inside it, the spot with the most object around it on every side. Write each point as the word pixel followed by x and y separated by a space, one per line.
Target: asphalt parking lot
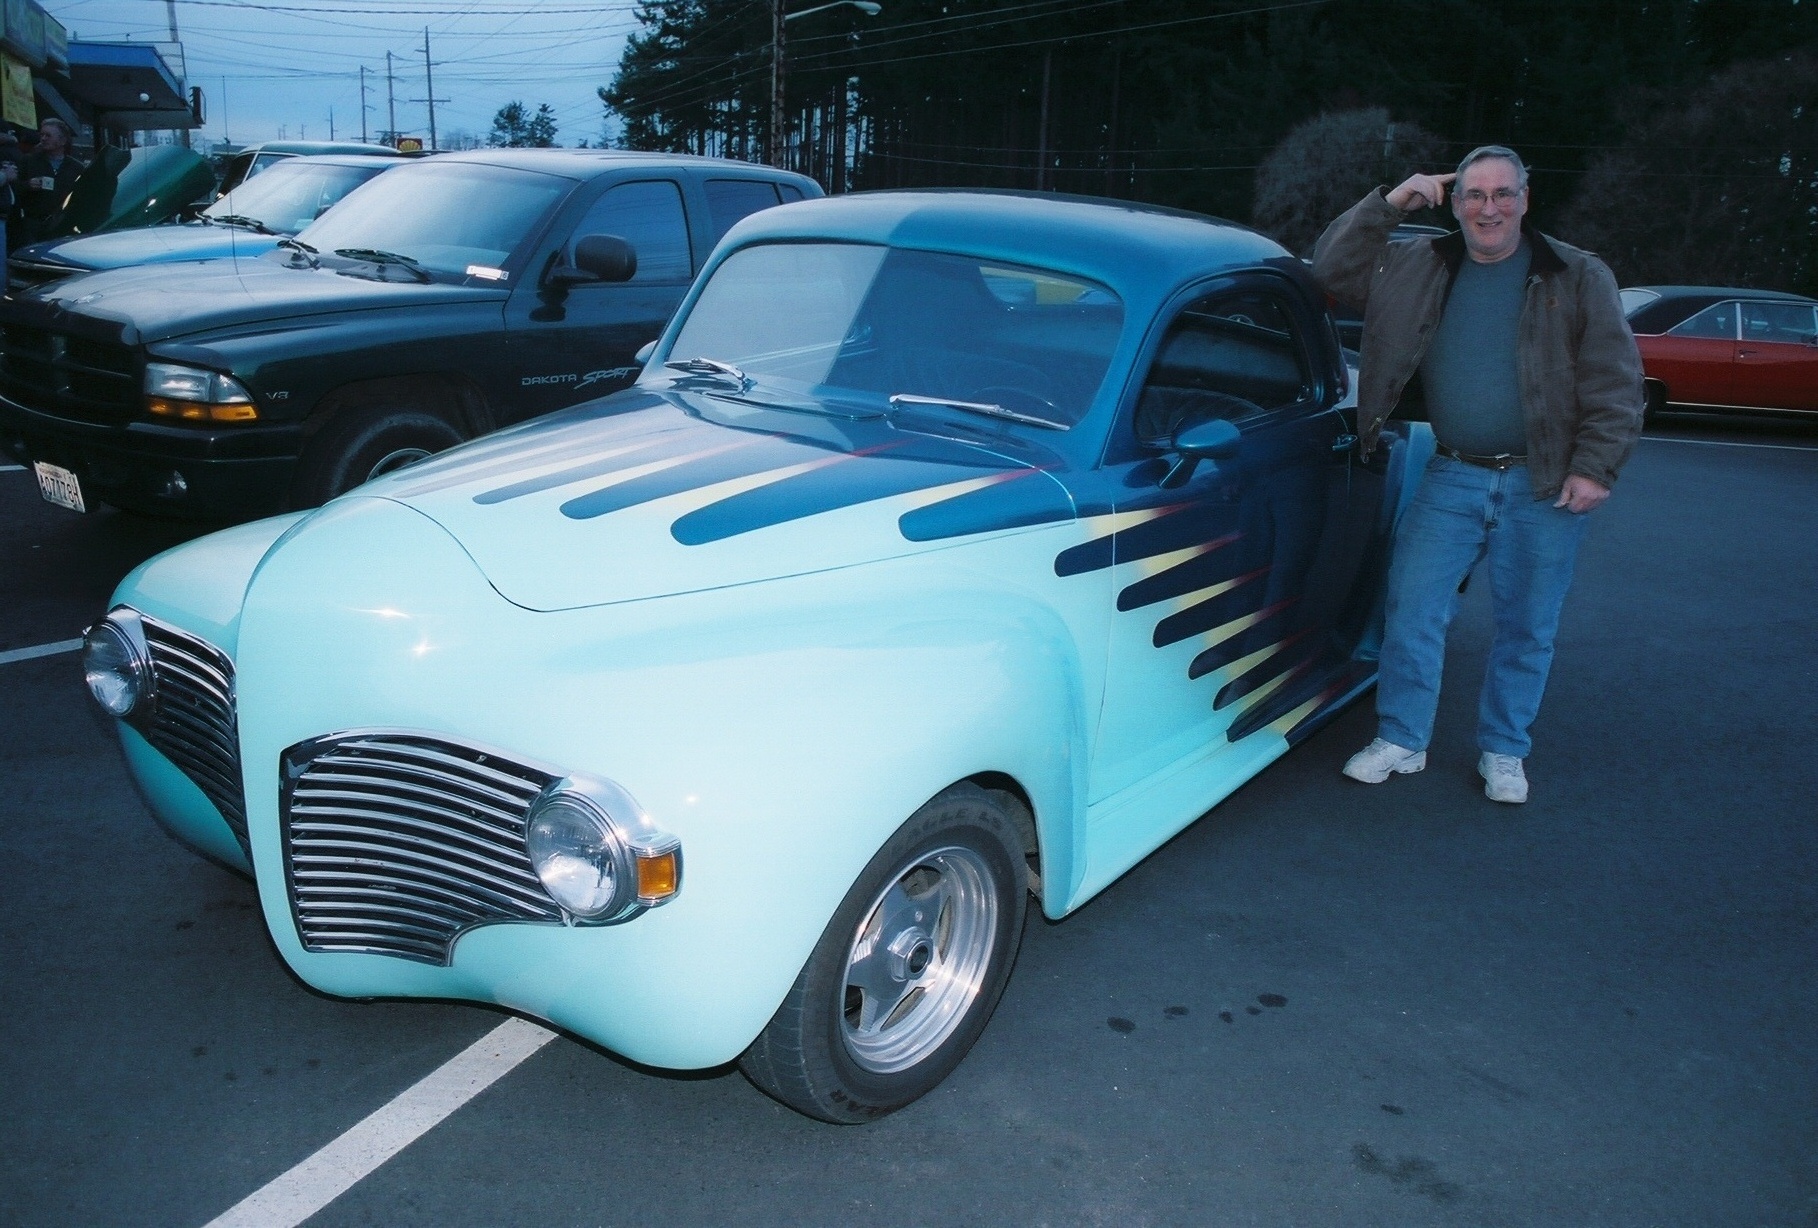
pixel 1322 1004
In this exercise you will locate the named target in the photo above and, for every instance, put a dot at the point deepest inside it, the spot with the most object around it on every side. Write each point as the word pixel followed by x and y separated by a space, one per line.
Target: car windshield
pixel 293 193
pixel 458 220
pixel 919 327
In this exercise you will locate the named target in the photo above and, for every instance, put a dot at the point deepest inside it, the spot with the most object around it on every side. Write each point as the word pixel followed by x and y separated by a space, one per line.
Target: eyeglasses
pixel 1477 199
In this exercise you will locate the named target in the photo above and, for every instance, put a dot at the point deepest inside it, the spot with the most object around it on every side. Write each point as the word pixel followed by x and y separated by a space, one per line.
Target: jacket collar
pixel 1542 259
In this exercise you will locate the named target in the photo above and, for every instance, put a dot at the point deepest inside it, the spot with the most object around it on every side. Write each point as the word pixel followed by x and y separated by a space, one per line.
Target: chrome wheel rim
pixel 918 960
pixel 395 460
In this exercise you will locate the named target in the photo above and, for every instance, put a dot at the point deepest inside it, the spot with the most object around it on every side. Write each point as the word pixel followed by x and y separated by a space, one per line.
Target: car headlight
pixel 192 394
pixel 116 663
pixel 597 854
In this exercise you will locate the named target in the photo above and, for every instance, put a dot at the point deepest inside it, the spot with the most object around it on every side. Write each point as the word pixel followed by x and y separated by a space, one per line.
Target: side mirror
pixel 1216 439
pixel 642 357
pixel 596 258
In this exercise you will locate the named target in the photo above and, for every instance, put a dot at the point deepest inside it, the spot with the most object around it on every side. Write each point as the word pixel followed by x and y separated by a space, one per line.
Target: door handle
pixel 1344 443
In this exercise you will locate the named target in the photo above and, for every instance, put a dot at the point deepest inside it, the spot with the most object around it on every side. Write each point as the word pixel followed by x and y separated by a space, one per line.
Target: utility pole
pixel 331 123
pixel 776 83
pixel 225 139
pixel 391 103
pixel 430 81
pixel 170 9
pixel 362 102
pixel 1041 140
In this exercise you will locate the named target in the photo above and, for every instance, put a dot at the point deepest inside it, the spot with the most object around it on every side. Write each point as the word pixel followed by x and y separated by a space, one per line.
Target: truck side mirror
pixel 597 258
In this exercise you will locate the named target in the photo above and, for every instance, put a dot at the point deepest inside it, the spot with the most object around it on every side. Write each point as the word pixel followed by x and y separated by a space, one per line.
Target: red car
pixel 1710 348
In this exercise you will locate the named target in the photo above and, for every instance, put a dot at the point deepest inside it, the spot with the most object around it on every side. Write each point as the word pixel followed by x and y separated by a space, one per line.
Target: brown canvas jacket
pixel 1580 372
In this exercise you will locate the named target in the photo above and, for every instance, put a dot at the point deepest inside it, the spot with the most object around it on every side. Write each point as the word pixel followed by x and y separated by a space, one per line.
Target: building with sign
pixel 105 91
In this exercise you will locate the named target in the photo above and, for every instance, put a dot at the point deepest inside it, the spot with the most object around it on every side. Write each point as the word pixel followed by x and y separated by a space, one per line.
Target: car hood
pixel 134 187
pixel 150 303
pixel 651 493
pixel 147 245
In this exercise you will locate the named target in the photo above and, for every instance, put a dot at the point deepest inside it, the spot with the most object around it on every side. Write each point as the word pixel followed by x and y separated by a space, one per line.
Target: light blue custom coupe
pixel 951 547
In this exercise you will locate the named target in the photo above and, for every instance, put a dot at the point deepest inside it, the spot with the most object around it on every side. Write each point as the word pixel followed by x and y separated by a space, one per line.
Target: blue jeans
pixel 1461 515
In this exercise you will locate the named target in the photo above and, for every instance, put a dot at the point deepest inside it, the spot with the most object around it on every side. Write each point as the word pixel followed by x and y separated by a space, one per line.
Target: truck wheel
pixel 908 971
pixel 365 444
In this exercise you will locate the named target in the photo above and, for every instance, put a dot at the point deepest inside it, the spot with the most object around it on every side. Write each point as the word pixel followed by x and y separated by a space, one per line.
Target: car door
pixel 573 342
pixel 1696 358
pixel 1234 575
pixel 1777 357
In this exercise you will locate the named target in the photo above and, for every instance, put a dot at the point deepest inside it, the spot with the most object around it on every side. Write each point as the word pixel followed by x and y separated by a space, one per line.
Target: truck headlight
pixel 597 854
pixel 116 663
pixel 192 394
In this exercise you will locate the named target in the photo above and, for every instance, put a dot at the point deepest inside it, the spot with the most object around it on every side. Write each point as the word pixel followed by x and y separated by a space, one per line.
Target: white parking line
pixel 1724 443
pixel 38 650
pixel 338 1167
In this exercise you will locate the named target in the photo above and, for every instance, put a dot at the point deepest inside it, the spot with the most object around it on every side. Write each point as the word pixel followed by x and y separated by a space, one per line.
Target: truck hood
pixel 154 303
pixel 147 245
pixel 650 493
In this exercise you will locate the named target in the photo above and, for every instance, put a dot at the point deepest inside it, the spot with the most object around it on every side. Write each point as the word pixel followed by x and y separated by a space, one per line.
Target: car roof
pixel 319 147
pixel 363 161
pixel 585 163
pixel 1679 303
pixel 1141 251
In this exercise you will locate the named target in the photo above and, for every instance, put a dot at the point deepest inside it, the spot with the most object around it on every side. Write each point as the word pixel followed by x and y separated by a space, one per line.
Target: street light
pixel 778 17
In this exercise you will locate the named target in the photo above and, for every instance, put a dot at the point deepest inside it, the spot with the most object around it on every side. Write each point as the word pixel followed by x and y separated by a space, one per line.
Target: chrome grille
pixel 396 843
pixel 67 375
pixel 191 720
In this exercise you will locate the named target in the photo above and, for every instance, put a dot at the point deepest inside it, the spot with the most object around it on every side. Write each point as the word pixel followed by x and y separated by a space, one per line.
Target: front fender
pixel 782 730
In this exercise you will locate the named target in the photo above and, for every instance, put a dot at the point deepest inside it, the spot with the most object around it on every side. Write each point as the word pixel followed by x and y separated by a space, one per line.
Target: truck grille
pixel 69 376
pixel 191 722
pixel 396 843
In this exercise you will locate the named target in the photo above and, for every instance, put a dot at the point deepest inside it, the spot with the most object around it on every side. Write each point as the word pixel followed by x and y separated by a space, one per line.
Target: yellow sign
pixel 16 101
pixel 409 144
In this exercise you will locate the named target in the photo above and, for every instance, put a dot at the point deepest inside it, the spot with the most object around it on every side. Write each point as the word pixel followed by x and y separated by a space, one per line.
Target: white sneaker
pixel 1375 762
pixel 1503 779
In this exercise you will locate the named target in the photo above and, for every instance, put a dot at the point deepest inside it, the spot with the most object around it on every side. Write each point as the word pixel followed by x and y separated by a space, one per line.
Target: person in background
pixel 48 173
pixel 1532 383
pixel 11 156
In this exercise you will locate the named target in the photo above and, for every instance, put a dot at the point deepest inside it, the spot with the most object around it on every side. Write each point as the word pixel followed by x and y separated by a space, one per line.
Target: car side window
pixel 730 200
pixel 649 216
pixel 1717 322
pixel 1233 355
pixel 1790 323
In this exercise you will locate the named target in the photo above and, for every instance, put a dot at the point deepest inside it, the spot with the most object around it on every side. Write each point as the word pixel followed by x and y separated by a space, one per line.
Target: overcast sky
pixel 272 68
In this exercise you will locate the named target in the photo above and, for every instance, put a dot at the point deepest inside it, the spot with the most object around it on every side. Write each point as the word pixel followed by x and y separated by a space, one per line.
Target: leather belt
pixel 1502 460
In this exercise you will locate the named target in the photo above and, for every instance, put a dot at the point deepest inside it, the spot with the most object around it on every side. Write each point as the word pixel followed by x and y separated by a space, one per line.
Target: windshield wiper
pixel 300 249
pixel 712 368
pixel 899 399
pixel 241 220
pixel 373 255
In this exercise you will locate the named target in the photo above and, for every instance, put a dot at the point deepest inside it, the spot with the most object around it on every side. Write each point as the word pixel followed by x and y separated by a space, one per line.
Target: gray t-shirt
pixel 1469 372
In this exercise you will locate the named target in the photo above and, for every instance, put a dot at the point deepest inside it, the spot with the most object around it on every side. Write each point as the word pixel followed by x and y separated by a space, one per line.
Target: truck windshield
pixel 922 327
pixel 455 220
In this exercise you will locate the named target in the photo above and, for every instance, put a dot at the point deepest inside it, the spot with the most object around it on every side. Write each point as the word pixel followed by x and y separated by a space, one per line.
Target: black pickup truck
pixel 440 301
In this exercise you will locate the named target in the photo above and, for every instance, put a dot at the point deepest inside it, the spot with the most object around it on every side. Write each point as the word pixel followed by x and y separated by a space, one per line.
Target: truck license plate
pixel 59 486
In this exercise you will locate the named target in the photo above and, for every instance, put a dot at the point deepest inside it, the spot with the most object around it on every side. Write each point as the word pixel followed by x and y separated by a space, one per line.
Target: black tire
pixel 892 998
pixel 1653 400
pixel 363 444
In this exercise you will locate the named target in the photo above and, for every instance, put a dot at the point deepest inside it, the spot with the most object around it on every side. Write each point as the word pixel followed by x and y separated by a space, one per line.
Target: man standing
pixel 48 175
pixel 1532 384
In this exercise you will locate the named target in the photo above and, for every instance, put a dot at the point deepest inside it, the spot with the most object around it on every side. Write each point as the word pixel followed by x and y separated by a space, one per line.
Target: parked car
pixel 243 164
pixel 247 221
pixel 441 300
pixel 1711 348
pixel 950 547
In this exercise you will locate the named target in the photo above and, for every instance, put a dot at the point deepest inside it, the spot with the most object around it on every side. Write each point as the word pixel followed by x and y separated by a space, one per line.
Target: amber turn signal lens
pixel 197 411
pixel 659 876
